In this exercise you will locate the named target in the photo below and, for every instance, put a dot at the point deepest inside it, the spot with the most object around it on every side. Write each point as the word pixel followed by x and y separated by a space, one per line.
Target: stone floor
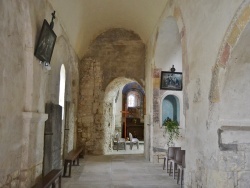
pixel 118 171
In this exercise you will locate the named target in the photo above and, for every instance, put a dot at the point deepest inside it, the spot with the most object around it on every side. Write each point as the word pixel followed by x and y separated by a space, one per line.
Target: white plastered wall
pixel 204 26
pixel 24 90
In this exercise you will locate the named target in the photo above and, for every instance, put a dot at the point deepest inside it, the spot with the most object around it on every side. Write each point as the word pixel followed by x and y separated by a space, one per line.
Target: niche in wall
pixel 171 108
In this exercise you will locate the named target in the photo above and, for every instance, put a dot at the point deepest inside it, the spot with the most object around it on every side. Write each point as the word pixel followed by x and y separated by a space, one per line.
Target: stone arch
pixel 174 15
pixel 115 53
pixel 233 33
pixel 110 94
pixel 229 92
pixel 174 12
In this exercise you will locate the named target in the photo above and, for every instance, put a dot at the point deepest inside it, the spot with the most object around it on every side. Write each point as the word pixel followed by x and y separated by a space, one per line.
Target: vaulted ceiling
pixel 83 20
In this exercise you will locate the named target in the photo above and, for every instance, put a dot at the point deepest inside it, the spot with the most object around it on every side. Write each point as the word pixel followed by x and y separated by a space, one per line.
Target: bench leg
pixel 164 163
pixel 77 160
pixel 65 168
pixel 60 182
pixel 70 164
pixel 53 185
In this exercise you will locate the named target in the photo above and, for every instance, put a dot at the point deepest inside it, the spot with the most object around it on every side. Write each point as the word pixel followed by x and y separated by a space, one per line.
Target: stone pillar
pixel 147 137
pixel 69 128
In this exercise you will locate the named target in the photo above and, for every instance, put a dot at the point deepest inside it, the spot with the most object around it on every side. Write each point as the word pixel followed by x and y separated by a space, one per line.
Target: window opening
pixel 62 88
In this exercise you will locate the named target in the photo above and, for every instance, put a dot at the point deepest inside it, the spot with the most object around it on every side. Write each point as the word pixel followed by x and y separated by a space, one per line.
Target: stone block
pixel 87 119
pixel 15 174
pixel 232 161
pixel 247 161
pixel 225 55
pixel 15 183
pixel 244 147
pixel 156 83
pixel 157 73
pixel 235 33
pixel 243 179
pixel 243 18
pixel 232 136
pixel 177 12
pixel 217 178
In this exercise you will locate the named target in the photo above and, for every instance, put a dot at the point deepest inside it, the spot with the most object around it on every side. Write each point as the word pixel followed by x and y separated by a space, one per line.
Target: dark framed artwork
pixel 46 43
pixel 171 80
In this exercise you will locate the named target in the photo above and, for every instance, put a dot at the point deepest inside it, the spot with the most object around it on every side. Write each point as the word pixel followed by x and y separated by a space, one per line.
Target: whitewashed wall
pixel 25 88
pixel 203 26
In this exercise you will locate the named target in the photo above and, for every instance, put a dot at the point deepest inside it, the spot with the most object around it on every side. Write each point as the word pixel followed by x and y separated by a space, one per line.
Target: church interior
pixel 76 74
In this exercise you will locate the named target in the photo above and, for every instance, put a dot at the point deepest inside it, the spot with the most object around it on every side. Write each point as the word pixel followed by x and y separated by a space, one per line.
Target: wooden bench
pixel 50 179
pixel 70 160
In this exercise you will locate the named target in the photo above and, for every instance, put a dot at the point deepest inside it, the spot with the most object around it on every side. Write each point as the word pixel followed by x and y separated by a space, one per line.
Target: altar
pixel 134 126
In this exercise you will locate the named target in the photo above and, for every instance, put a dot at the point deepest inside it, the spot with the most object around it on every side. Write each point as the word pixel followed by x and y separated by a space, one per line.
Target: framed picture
pixel 46 43
pixel 171 80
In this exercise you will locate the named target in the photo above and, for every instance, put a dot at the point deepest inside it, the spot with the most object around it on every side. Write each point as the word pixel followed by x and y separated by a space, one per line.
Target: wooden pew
pixel 70 160
pixel 50 179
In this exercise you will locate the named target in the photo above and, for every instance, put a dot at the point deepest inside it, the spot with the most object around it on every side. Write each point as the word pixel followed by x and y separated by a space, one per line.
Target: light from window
pixel 62 88
pixel 131 100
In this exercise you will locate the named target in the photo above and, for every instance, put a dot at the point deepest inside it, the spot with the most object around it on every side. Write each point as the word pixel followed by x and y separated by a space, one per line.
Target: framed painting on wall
pixel 46 43
pixel 171 80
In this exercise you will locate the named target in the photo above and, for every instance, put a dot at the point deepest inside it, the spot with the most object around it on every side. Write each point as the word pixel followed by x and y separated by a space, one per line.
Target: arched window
pixel 62 88
pixel 133 98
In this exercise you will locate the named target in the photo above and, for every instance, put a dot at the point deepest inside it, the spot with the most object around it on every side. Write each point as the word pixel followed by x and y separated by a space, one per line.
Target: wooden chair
pixel 180 170
pixel 119 141
pixel 170 155
pixel 133 141
pixel 176 161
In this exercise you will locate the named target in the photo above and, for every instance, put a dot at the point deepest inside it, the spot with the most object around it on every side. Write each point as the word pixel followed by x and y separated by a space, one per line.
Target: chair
pixel 176 161
pixel 170 155
pixel 118 140
pixel 133 141
pixel 180 170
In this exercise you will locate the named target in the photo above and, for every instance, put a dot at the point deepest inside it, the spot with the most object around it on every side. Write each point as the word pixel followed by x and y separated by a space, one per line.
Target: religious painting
pixel 171 80
pixel 46 42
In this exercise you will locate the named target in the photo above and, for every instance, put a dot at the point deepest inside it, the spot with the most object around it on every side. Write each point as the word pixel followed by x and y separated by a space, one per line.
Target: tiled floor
pixel 118 171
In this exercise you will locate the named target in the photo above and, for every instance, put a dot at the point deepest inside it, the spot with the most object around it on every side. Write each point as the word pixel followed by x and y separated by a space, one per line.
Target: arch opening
pixel 116 110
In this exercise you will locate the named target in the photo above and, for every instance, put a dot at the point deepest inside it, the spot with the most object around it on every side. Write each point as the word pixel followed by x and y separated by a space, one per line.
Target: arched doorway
pixel 167 103
pixel 114 106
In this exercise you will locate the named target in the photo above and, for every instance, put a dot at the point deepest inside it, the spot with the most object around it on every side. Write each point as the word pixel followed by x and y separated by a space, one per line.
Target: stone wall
pixel 26 86
pixel 113 54
pixel 89 128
